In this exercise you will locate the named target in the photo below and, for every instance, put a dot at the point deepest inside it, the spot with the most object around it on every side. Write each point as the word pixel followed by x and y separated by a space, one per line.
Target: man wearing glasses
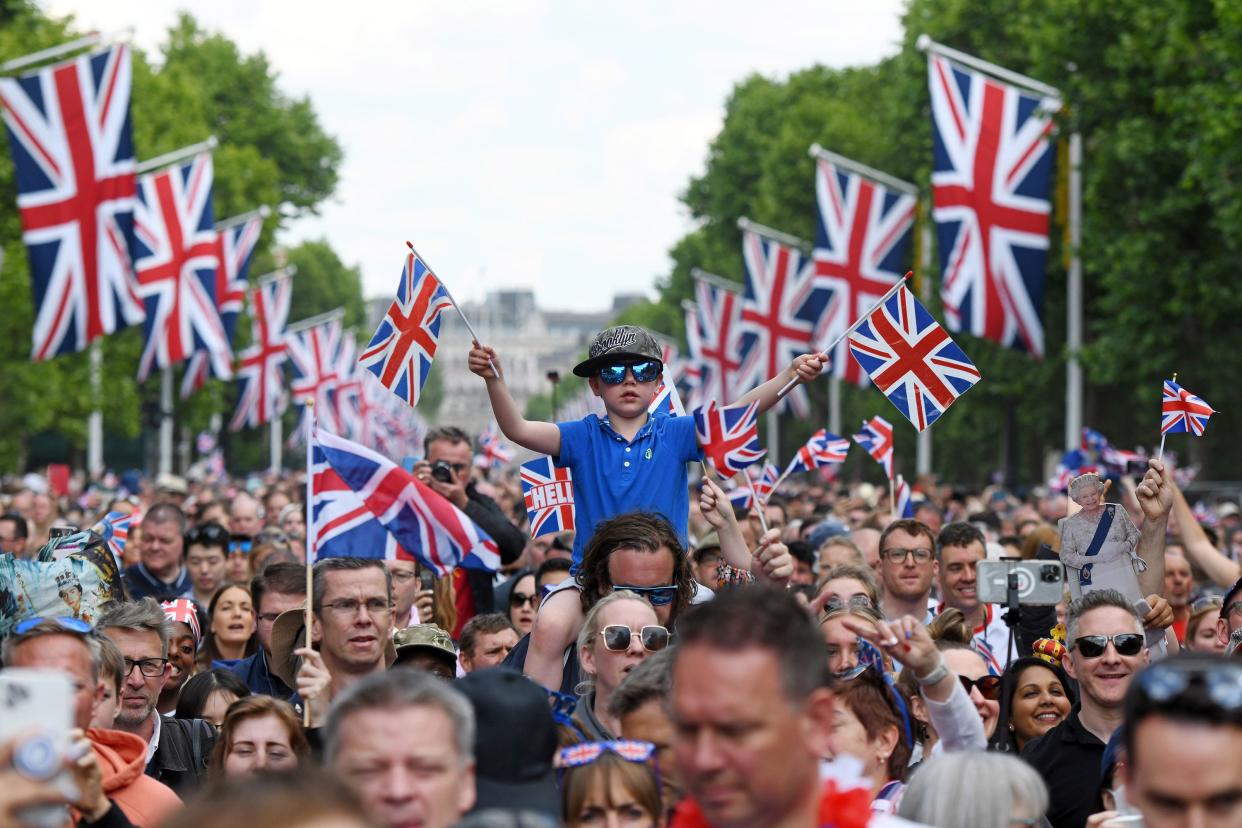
pixel 177 749
pixel 1106 650
pixel 907 568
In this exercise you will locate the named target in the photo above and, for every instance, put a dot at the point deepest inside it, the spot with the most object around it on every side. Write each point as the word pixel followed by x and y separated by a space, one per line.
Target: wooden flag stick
pixel 757 503
pixel 308 619
pixel 789 385
pixel 892 498
pixel 1160 453
pixel 473 336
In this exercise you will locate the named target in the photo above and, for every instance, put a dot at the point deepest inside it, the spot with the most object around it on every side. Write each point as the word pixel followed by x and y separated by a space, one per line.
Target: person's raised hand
pixel 775 563
pixel 714 504
pixel 425 604
pixel 87 776
pixel 453 491
pixel 314 684
pixel 481 360
pixel 807 367
pixel 1154 493
pixel 904 639
pixel 17 793
pixel 1160 616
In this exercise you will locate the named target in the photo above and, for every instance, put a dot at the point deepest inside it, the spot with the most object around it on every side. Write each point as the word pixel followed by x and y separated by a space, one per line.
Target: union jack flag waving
pixel 720 349
pixel 904 507
pixel 114 529
pixel 823 449
pixel 235 244
pixel 783 302
pixel 73 156
pixel 729 436
pixel 549 495
pixel 1182 411
pixel 261 393
pixel 313 355
pixel 911 359
pixel 494 452
pixel 765 480
pixel 862 242
pixel 176 261
pixel 404 344
pixel 991 175
pixel 876 438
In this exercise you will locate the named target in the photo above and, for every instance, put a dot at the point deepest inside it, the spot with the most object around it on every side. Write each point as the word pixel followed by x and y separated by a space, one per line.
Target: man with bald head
pixel 245 516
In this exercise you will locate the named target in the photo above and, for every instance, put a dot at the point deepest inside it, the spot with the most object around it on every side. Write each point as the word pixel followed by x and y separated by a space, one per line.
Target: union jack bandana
pixel 183 610
pixel 631 750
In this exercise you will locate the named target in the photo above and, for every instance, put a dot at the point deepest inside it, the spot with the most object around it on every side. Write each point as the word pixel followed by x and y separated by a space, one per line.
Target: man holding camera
pixel 446 470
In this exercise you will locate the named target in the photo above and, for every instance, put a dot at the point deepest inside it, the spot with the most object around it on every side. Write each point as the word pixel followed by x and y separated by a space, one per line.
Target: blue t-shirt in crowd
pixel 613 476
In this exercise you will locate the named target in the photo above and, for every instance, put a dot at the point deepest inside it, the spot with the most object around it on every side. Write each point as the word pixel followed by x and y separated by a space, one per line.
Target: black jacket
pixel 509 540
pixel 180 760
pixel 1068 757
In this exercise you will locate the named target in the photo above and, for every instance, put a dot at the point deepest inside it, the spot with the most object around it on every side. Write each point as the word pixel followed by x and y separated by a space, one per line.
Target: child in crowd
pixel 629 460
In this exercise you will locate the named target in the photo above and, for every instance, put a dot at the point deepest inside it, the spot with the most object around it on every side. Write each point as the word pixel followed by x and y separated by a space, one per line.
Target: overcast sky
pixel 518 143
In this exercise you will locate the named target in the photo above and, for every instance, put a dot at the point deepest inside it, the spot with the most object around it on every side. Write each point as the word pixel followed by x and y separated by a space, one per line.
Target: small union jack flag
pixel 729 436
pixel 1072 464
pixel 912 359
pixel 1120 459
pixel 741 497
pixel 549 495
pixel 114 529
pixel 176 261
pixel 261 393
pixel 404 344
pixel 904 507
pixel 823 449
pixel 71 136
pixel 1182 411
pixel 494 452
pixel 876 438
pixel 765 480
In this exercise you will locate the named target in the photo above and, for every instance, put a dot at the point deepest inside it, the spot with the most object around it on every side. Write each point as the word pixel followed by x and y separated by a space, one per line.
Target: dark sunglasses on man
pixel 657 596
pixel 614 373
pixel 1094 646
pixel 617 637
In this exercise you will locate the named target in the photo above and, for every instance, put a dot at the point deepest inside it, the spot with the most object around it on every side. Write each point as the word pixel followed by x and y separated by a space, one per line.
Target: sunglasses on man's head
pixel 1165 682
pixel 1094 646
pixel 614 374
pixel 71 625
pixel 657 596
pixel 617 637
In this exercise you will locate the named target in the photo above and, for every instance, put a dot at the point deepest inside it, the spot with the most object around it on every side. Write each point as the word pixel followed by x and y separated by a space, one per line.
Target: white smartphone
pixel 36 709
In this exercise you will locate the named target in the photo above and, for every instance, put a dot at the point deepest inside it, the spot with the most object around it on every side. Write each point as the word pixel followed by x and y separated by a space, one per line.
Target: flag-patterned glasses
pixel 631 750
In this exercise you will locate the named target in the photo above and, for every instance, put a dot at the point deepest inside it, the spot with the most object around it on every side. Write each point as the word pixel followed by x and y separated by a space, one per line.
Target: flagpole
pixel 94 424
pixel 314 321
pixel 773 435
pixel 170 158
pixel 892 497
pixel 834 403
pixel 166 420
pixel 1073 332
pixel 92 39
pixel 232 221
pixel 926 44
pixel 781 478
pixel 893 183
pixel 850 329
pixel 759 505
pixel 274 457
pixel 923 443
pixel 744 223
pixel 1163 433
pixel 310 534
pixel 700 275
pixel 473 336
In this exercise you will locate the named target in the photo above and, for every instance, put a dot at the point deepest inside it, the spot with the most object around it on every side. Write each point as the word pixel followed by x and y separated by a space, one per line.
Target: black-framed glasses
pixel 988 686
pixel 1166 681
pixel 614 374
pixel 1093 646
pixel 149 667
pixel 898 555
pixel 521 599
pixel 657 596
pixel 72 625
pixel 617 637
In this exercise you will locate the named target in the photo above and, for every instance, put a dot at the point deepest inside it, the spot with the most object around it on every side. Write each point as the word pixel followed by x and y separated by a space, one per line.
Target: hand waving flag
pixel 1182 411
pixel 823 449
pixel 729 436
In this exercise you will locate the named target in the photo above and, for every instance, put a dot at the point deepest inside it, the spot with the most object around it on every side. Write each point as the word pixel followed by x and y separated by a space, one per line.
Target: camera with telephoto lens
pixel 442 470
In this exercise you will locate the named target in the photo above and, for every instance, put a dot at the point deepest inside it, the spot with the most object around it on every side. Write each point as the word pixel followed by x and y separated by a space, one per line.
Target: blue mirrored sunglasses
pixel 657 596
pixel 643 372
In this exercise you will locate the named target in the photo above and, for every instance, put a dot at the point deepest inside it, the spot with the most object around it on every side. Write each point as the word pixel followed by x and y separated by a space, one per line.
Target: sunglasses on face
pixel 1094 646
pixel 631 750
pixel 521 599
pixel 988 686
pixel 657 596
pixel 617 637
pixel 643 372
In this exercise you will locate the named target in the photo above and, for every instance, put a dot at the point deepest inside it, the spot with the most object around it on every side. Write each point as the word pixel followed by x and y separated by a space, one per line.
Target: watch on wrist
pixel 935 676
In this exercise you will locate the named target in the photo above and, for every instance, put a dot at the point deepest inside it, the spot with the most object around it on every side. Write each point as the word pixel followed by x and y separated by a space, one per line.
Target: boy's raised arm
pixel 544 438
pixel 804 369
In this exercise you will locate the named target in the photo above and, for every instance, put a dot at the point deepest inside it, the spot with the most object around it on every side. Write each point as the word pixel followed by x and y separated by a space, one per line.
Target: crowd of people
pixel 808 661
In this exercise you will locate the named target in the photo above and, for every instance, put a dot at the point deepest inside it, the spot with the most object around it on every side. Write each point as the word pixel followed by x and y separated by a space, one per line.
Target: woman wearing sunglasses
pixel 609 784
pixel 1035 696
pixel 620 631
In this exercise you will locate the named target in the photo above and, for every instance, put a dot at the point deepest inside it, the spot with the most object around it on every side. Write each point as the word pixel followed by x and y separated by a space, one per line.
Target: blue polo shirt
pixel 613 476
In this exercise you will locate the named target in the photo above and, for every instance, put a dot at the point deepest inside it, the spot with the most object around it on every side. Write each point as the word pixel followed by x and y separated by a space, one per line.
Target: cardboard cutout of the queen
pixel 1099 543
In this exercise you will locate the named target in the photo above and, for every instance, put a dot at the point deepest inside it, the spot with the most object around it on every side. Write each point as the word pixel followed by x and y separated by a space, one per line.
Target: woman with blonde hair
pixel 610 783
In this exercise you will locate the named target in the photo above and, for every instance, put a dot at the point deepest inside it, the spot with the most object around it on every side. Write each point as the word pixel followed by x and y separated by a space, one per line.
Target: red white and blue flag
pixel 823 449
pixel 549 495
pixel 114 529
pixel 912 359
pixel 991 180
pixel 876 438
pixel 404 345
pixel 765 479
pixel 71 136
pixel 904 507
pixel 261 393
pixel 345 397
pixel 720 350
pixel 729 436
pixel 741 497
pixel 235 245
pixel 1182 411
pixel 782 304
pixel 666 398
pixel 494 452
pixel 421 522
pixel 175 258
pixel 862 243
pixel 1071 465
pixel 313 355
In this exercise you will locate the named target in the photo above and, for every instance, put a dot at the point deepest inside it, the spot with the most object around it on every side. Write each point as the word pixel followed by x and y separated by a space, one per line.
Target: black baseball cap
pixel 514 743
pixel 1234 593
pixel 621 342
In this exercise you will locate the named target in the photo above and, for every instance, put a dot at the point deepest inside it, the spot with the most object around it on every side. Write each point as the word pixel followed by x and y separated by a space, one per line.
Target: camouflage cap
pixel 425 636
pixel 621 341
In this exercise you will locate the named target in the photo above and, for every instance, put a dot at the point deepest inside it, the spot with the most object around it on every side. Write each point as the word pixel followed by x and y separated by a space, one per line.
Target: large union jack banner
pixel 862 243
pixel 729 436
pixel 260 383
pixel 719 341
pixel 783 302
pixel 912 359
pixel 235 244
pixel 549 495
pixel 313 355
pixel 176 261
pixel 991 176
pixel 1182 411
pixel 73 156
pixel 404 344
pixel 823 449
pixel 876 438
pixel 421 522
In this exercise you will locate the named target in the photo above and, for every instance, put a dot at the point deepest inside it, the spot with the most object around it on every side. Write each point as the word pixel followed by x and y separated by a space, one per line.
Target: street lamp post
pixel 554 377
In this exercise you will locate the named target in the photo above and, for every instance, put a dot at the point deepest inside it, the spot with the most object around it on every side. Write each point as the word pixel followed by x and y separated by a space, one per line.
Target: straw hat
pixel 288 634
